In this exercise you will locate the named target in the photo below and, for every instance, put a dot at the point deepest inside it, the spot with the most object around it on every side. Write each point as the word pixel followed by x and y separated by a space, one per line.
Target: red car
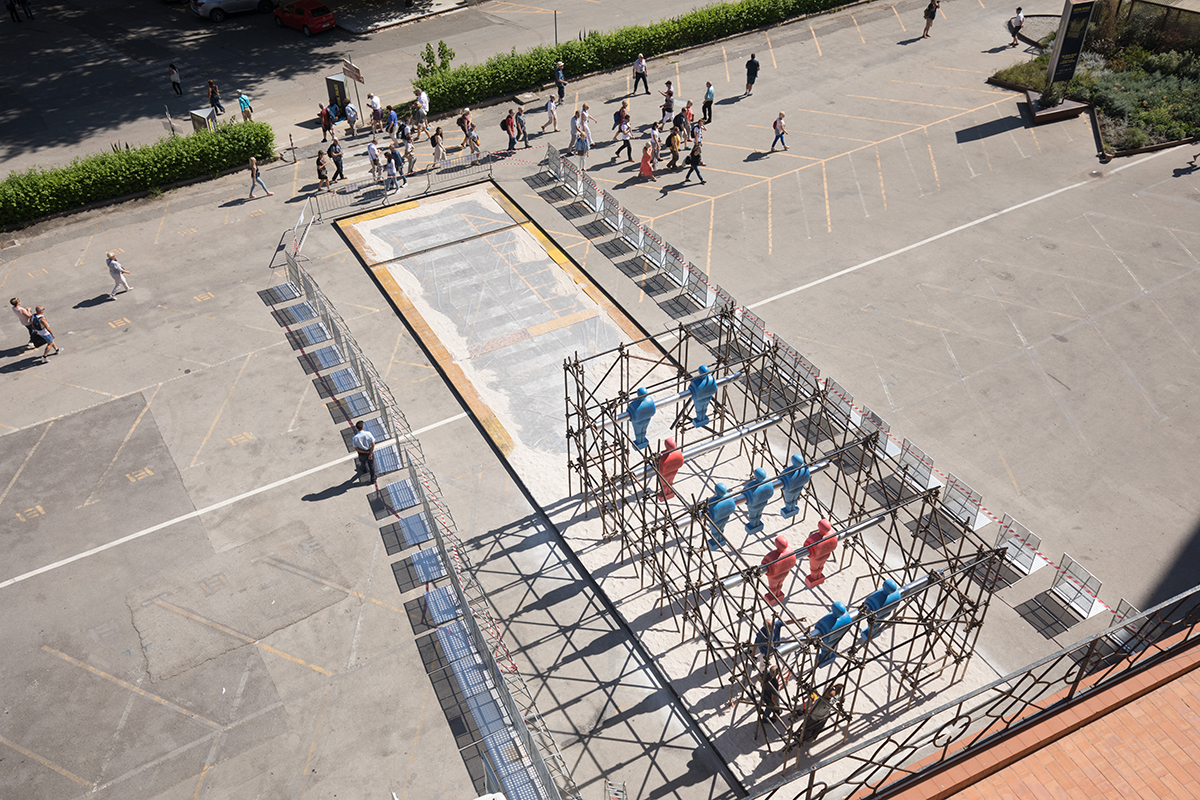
pixel 310 16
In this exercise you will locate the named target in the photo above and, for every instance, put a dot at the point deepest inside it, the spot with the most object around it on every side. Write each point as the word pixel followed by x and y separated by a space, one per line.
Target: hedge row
pixel 38 192
pixel 509 73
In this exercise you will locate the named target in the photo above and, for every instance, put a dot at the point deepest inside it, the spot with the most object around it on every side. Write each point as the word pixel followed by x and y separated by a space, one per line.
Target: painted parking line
pixel 941 235
pixel 206 510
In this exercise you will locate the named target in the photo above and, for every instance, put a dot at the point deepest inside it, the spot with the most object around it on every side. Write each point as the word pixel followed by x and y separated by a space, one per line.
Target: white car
pixel 218 10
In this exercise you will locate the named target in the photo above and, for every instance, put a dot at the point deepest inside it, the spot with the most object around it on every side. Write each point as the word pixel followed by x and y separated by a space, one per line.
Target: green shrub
pixel 1029 74
pixel 1134 138
pixel 39 192
pixel 509 73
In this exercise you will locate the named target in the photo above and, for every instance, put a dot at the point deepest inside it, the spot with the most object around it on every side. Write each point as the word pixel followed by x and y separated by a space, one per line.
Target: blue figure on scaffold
pixel 703 389
pixel 720 509
pixel 641 411
pixel 758 494
pixel 794 479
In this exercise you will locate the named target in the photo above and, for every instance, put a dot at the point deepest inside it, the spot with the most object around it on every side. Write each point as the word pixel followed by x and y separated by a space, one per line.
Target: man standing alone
pixel 751 73
pixel 710 94
pixel 364 445
pixel 117 272
pixel 639 74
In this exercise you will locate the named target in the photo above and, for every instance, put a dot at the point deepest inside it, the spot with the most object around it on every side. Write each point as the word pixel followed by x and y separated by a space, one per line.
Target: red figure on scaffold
pixel 821 544
pixel 669 465
pixel 779 563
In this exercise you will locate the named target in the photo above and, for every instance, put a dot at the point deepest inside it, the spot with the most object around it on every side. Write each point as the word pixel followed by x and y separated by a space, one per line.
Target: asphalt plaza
pixel 983 247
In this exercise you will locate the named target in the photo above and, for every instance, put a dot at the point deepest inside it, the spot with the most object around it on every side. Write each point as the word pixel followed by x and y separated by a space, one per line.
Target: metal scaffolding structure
pixel 893 520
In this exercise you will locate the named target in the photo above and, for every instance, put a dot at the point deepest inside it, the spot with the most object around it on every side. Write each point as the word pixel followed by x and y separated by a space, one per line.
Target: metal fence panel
pixel 632 230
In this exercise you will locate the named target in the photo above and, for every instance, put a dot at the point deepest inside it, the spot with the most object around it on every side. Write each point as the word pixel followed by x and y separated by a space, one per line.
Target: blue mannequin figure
pixel 758 494
pixel 769 641
pixel 831 628
pixel 720 509
pixel 794 479
pixel 703 389
pixel 886 595
pixel 641 410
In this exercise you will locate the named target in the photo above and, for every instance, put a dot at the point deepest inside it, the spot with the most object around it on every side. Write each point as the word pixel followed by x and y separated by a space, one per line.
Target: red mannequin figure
pixel 669 465
pixel 781 561
pixel 819 553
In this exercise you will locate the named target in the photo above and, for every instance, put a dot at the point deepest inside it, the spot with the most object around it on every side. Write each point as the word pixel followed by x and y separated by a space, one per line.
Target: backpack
pixel 504 124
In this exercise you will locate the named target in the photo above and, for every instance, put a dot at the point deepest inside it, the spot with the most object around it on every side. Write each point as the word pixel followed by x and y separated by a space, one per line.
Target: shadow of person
pixel 1004 48
pixel 755 157
pixel 35 358
pixel 1180 172
pixel 910 41
pixel 237 201
pixel 92 302
pixel 15 351
pixel 332 491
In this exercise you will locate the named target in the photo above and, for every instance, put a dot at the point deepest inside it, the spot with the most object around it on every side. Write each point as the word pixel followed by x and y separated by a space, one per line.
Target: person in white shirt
pixel 373 155
pixel 551 116
pixel 421 113
pixel 639 74
pixel 364 445
pixel 1015 24
pixel 117 272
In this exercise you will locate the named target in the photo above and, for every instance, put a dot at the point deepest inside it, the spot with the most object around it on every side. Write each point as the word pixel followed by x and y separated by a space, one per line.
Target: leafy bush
pixel 1029 74
pixel 1160 107
pixel 39 192
pixel 509 73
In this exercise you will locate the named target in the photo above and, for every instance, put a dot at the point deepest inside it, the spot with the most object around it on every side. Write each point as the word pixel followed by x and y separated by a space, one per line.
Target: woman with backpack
pixel 41 328
pixel 694 163
pixel 780 129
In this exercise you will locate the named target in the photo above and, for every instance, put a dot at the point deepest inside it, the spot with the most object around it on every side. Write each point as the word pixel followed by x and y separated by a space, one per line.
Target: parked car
pixel 218 10
pixel 310 16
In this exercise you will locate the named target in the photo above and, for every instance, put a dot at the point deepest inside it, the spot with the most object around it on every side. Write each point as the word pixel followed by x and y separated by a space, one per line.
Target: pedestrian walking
pixel 694 163
pixel 679 122
pixel 393 122
pixel 930 14
pixel 25 317
pixel 420 113
pixel 256 178
pixel 376 106
pixel 439 151
pixel 639 74
pixel 751 73
pixel 780 128
pixel 473 143
pixel 397 158
pixel 117 273
pixel 214 97
pixel 673 144
pixel 509 126
pixel 560 81
pixel 464 124
pixel 698 130
pixel 656 141
pixel 710 94
pixel 620 115
pixel 410 156
pixel 322 171
pixel 646 170
pixel 625 135
pixel 244 104
pixel 11 5
pixel 551 114
pixel 574 126
pixel 373 157
pixel 364 446
pixel 668 105
pixel 689 116
pixel 351 118
pixel 41 329
pixel 337 155
pixel 326 121
pixel 1015 24
pixel 585 120
pixel 522 131
pixel 173 74
pixel 28 10
pixel 392 185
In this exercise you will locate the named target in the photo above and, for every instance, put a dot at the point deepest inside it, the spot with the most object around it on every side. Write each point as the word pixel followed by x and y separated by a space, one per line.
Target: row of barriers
pixel 365 194
pixel 1073 586
pixel 519 753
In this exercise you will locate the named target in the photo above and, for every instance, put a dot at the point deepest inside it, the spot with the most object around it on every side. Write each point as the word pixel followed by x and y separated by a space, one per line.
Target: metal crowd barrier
pixel 521 758
pixel 367 193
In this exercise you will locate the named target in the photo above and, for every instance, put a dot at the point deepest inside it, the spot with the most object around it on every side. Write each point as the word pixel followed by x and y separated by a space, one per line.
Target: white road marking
pixel 214 507
pixel 944 234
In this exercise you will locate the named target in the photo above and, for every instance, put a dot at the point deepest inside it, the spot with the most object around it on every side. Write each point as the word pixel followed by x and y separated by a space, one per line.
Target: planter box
pixel 1064 110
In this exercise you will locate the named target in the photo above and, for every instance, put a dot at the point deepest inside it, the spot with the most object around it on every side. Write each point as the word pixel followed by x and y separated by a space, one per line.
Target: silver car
pixel 218 10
